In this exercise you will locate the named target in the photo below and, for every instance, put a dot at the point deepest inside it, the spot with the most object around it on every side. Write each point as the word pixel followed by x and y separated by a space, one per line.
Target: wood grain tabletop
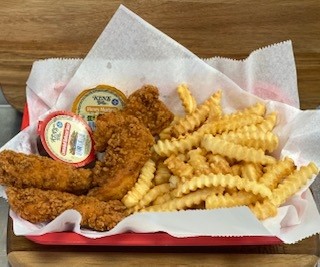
pixel 38 259
pixel 32 30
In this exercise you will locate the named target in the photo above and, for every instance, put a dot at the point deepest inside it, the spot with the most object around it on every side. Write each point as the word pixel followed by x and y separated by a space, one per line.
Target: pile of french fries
pixel 208 159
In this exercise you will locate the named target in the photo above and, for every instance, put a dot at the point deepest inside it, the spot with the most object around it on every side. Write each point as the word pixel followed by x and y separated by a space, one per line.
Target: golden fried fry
pixel 258 108
pixel 224 180
pixel 267 141
pixel 174 181
pixel 162 174
pixel 293 183
pixel 218 164
pixel 167 132
pixel 188 101
pixel 263 210
pixel 236 169
pixel 165 197
pixel 178 167
pixel 151 195
pixel 215 112
pixel 251 171
pixel 186 201
pixel 197 117
pixel 192 140
pixel 230 122
pixel 239 198
pixel 276 172
pixel 168 147
pixel 198 162
pixel 228 149
pixel 142 186
pixel 266 125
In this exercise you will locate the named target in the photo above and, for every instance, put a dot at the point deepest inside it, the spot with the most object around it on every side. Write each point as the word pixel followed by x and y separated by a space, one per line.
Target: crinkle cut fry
pixel 228 123
pixel 162 174
pixel 263 210
pixel 175 146
pixel 174 181
pixel 218 164
pixel 186 201
pixel 258 108
pixel 191 121
pixel 224 180
pixel 151 195
pixel 251 171
pixel 238 152
pixel 167 132
pixel 226 200
pixel 178 167
pixel 273 176
pixel 165 197
pixel 187 99
pixel 266 125
pixel 198 161
pixel 267 141
pixel 292 183
pixel 236 169
pixel 168 147
pixel 142 186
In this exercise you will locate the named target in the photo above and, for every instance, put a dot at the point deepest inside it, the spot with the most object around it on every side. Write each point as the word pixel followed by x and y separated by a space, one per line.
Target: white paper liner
pixel 264 73
pixel 158 60
pixel 157 222
pixel 46 81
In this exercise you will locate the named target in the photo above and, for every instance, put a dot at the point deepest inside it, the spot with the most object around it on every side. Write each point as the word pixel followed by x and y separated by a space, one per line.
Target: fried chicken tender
pixel 38 206
pixel 126 142
pixel 144 104
pixel 22 170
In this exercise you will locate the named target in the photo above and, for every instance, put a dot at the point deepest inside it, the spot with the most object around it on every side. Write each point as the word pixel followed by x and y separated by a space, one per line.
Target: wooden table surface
pixel 36 29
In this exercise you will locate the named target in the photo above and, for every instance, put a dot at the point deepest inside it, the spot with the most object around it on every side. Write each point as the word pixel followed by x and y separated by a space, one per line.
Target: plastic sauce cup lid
pixel 90 103
pixel 67 137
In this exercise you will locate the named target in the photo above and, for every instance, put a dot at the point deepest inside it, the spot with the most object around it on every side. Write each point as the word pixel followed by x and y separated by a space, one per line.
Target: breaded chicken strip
pixel 22 170
pixel 38 206
pixel 126 142
pixel 146 106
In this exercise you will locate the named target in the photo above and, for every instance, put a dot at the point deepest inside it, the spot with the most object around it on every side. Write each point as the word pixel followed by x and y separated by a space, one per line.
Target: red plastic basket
pixel 144 239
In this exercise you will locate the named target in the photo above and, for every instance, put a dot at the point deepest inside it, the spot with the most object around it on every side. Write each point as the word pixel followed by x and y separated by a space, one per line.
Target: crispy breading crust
pixel 22 170
pixel 126 151
pixel 38 206
pixel 144 104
